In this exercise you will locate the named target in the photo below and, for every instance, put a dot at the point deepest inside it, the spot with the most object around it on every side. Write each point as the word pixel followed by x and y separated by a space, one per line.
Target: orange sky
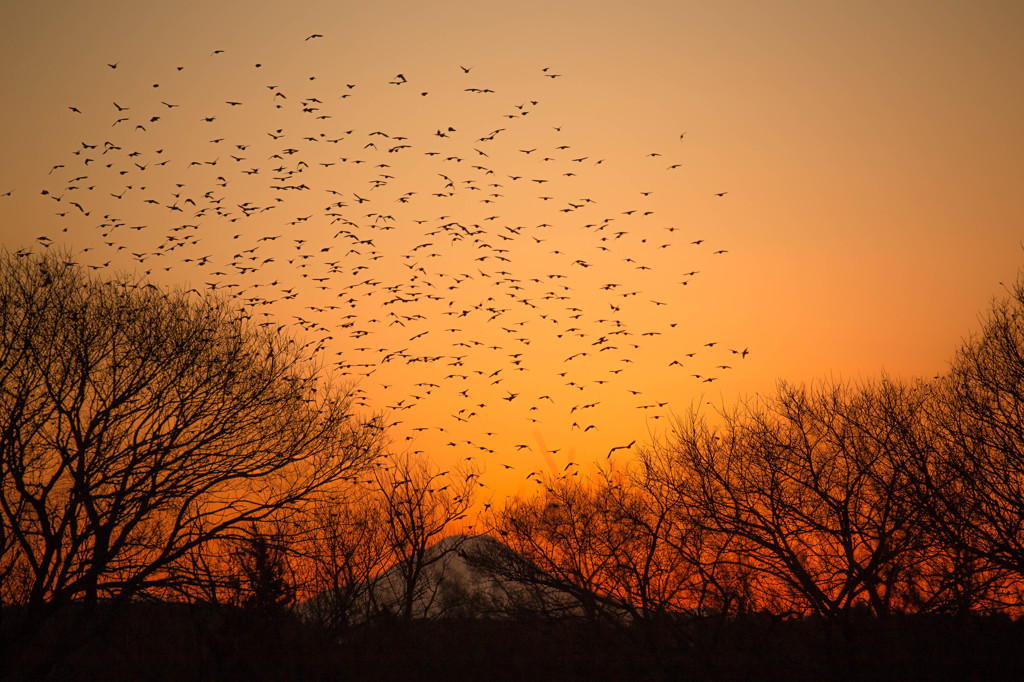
pixel 872 158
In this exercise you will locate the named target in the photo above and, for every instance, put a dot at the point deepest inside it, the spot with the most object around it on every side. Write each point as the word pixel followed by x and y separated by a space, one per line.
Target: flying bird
pixel 621 447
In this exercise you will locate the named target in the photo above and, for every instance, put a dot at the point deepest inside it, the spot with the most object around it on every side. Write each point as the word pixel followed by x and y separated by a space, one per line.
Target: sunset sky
pixel 503 265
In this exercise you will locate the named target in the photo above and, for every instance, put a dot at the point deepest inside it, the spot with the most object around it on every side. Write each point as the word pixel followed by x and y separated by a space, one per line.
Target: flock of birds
pixel 453 252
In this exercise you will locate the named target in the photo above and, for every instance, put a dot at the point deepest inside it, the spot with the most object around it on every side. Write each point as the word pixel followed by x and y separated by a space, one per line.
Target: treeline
pixel 829 501
pixel 184 481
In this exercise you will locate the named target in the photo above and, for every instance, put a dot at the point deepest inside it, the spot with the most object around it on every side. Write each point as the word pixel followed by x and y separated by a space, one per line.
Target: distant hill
pixel 460 576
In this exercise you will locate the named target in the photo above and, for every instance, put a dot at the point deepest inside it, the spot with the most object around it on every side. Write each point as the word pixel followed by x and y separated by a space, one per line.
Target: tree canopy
pixel 137 424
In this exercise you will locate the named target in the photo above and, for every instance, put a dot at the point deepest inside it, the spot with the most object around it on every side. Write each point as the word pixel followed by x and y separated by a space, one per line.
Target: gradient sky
pixel 872 154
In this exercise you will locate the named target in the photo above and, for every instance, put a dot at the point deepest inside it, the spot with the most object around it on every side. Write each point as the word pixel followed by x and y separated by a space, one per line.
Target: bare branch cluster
pixel 138 425
pixel 882 497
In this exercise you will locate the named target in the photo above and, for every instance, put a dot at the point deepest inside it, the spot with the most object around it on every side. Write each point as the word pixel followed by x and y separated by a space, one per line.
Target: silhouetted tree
pixel 653 543
pixel 344 549
pixel 421 506
pixel 560 545
pixel 137 425
pixel 972 483
pixel 805 494
pixel 264 561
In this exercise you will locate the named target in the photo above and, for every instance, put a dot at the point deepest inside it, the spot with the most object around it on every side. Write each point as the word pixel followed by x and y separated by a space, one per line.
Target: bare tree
pixel 344 549
pixel 618 548
pixel 719 582
pixel 559 551
pixel 653 543
pixel 421 506
pixel 137 425
pixel 805 490
pixel 972 484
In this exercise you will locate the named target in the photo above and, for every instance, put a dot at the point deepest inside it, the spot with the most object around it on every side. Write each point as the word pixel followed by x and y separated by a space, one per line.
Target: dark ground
pixel 181 642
